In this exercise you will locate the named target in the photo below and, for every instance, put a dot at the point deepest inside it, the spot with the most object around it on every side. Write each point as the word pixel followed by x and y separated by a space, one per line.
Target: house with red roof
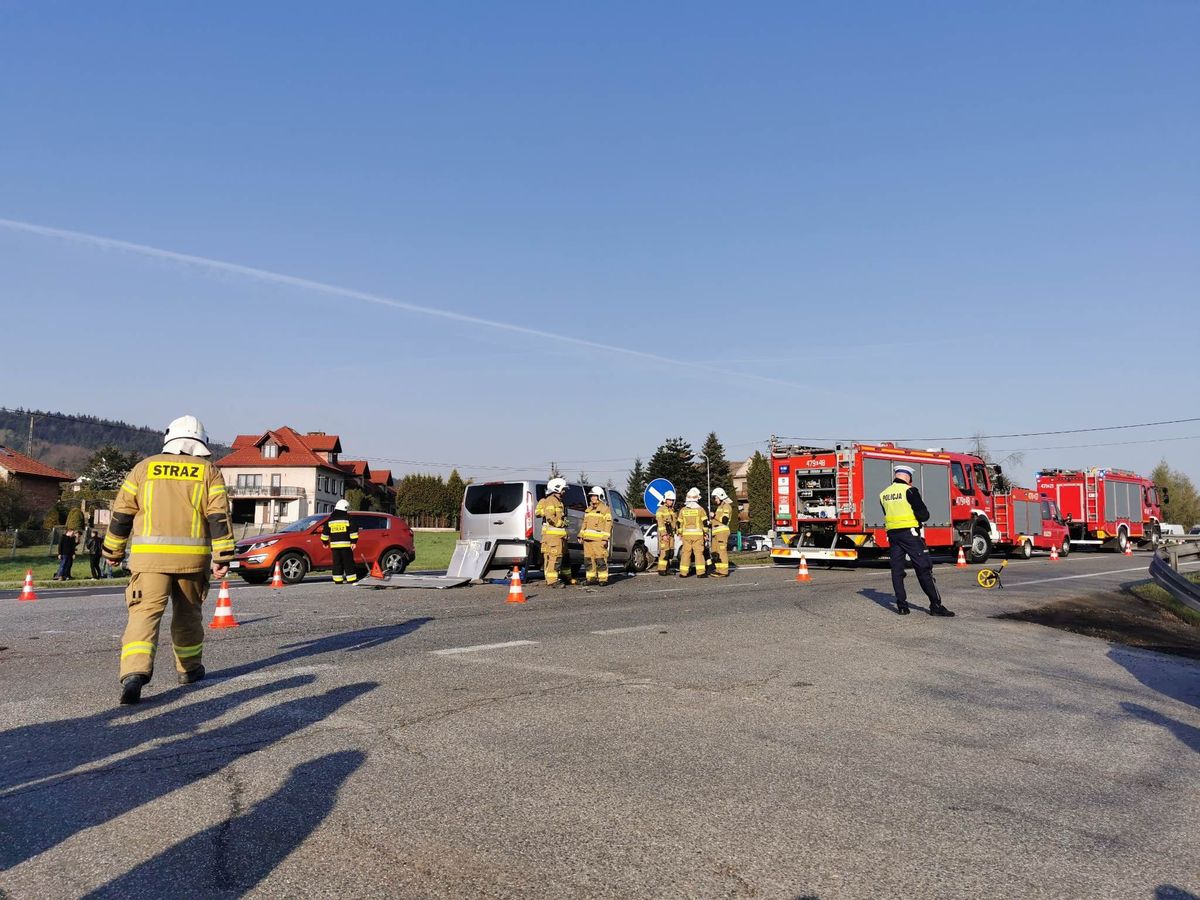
pixel 282 476
pixel 41 484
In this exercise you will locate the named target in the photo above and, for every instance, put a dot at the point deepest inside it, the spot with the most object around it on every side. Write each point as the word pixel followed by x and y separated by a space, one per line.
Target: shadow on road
pixel 1171 892
pixel 1170 677
pixel 1187 734
pixel 240 852
pixel 887 601
pixel 40 816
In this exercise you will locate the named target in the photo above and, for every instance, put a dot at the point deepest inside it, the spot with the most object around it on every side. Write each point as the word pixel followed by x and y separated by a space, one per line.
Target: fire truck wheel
pixel 1065 550
pixel 980 548
pixel 1122 539
pixel 1027 550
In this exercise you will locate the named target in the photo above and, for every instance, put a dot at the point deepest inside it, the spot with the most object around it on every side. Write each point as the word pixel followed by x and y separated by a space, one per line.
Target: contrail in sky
pixel 308 284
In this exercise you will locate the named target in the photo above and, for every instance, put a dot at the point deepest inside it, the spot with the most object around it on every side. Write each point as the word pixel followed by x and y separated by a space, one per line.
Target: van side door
pixel 624 528
pixel 576 503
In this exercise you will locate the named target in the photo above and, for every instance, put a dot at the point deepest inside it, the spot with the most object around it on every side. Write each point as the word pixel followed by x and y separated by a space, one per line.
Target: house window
pixel 276 481
pixel 270 451
pixel 249 481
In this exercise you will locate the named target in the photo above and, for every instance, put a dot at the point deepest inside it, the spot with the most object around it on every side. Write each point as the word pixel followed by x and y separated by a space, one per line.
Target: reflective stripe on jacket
pixel 723 517
pixel 692 520
pixel 597 523
pixel 553 515
pixel 338 531
pixel 172 516
pixel 897 511
pixel 668 524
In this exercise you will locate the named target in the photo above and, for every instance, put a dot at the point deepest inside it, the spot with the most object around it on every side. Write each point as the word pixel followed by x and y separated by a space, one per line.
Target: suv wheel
pixel 639 558
pixel 394 560
pixel 293 567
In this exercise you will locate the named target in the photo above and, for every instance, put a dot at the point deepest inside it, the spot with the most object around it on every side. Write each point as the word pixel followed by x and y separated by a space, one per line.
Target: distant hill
pixel 68 441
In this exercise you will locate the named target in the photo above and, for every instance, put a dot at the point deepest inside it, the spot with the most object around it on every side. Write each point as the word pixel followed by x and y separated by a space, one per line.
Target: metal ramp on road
pixel 469 563
pixel 438 582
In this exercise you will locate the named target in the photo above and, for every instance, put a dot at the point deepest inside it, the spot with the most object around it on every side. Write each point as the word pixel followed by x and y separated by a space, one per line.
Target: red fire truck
pixel 827 501
pixel 1028 521
pixel 1106 507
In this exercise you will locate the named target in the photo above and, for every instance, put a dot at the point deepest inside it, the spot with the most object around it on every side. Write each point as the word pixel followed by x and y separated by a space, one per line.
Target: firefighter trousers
pixel 553 551
pixel 666 548
pixel 902 542
pixel 344 569
pixel 720 550
pixel 146 597
pixel 595 557
pixel 693 549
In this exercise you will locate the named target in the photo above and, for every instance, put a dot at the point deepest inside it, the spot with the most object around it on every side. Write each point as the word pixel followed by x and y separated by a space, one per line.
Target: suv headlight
pixel 263 545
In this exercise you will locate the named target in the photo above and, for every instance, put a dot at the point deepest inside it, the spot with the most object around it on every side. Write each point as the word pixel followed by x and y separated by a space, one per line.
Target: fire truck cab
pixel 1108 508
pixel 827 501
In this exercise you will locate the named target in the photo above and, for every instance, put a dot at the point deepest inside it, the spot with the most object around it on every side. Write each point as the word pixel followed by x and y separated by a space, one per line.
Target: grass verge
pixel 434 549
pixel 1152 593
pixel 44 564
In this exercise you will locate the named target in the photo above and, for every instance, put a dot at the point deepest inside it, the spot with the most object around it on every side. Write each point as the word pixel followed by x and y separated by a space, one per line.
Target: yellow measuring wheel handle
pixel 988 578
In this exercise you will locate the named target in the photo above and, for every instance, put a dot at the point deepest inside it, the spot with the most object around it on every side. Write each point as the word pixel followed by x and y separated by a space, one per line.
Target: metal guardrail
pixel 1164 569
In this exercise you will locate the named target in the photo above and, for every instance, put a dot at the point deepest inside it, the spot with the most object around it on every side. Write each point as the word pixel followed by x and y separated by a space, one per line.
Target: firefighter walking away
pixel 692 521
pixel 171 515
pixel 340 535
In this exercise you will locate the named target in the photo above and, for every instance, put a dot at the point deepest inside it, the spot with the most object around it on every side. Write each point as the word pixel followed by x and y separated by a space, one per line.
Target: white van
pixel 501 513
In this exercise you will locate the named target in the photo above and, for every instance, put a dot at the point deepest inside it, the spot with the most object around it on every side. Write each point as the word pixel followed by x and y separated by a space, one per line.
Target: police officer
pixel 668 527
pixel 692 522
pixel 553 513
pixel 596 532
pixel 721 524
pixel 340 535
pixel 903 512
pixel 172 515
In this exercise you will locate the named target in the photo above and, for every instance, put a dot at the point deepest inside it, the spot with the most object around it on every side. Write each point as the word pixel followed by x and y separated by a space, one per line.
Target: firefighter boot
pixel 131 689
pixel 192 675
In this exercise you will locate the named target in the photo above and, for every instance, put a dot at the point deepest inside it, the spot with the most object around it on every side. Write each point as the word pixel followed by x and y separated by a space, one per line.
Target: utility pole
pixel 29 446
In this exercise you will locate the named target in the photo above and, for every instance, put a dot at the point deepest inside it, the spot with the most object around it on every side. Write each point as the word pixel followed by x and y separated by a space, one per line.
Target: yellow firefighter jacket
pixel 597 523
pixel 692 520
pixel 668 524
pixel 723 518
pixel 553 515
pixel 172 515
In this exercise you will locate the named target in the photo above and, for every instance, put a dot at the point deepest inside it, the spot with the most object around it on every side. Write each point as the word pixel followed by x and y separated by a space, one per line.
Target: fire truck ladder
pixel 842 489
pixel 1003 514
pixel 1091 497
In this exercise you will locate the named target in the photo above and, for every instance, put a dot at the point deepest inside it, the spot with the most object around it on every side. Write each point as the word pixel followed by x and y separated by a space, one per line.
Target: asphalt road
pixel 660 738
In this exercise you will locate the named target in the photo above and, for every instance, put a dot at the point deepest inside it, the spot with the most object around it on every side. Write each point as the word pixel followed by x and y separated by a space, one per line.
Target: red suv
pixel 298 548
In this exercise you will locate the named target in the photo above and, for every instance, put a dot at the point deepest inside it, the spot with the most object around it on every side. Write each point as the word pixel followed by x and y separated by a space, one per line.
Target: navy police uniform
pixel 903 512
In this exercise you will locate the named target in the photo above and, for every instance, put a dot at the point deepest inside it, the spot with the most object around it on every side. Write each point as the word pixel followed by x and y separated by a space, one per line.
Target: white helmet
pixel 186 435
pixel 720 495
pixel 343 505
pixel 694 494
pixel 905 470
pixel 556 485
pixel 669 495
pixel 598 491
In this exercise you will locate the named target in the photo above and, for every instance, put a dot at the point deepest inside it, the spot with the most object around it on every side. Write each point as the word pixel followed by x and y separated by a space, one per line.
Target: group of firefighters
pixel 689 524
pixel 171 516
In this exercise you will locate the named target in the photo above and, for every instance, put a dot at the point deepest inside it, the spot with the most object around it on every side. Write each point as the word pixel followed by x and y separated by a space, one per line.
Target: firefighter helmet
pixel 556 485
pixel 186 435
pixel 694 494
pixel 342 505
pixel 669 495
pixel 598 491
pixel 720 495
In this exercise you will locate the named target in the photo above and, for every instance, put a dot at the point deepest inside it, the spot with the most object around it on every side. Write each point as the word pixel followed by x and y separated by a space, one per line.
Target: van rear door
pixel 495 511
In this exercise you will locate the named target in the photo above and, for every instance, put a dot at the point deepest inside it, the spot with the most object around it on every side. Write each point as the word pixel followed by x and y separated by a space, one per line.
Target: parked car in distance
pixel 298 548
pixel 650 537
pixel 503 512
pixel 1195 529
pixel 755 543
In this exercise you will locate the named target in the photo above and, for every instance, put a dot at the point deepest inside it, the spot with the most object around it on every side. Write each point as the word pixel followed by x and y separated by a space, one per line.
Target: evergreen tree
pixel 674 461
pixel 635 487
pixel 422 499
pixel 14 506
pixel 52 520
pixel 75 519
pixel 758 489
pixel 1184 508
pixel 356 498
pixel 455 488
pixel 718 470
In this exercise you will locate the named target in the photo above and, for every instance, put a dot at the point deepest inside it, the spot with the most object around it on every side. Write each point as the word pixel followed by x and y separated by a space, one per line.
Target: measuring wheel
pixel 990 578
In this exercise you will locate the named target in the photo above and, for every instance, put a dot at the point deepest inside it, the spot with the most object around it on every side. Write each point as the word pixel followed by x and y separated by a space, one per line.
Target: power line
pixel 1192 437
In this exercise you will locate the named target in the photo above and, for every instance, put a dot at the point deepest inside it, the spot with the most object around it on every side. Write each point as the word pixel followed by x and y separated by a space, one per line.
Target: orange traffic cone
pixel 802 573
pixel 516 593
pixel 223 615
pixel 277 578
pixel 1128 547
pixel 1054 553
pixel 27 592
pixel 377 572
pixel 962 559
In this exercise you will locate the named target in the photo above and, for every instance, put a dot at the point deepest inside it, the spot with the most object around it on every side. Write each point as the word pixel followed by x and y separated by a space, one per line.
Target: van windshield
pixel 487 499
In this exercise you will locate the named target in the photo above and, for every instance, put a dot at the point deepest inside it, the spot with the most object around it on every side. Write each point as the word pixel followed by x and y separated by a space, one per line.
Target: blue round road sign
pixel 654 493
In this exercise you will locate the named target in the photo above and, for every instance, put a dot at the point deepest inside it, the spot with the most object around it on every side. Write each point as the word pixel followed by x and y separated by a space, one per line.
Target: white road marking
pixel 667 591
pixel 630 628
pixel 449 651
pixel 1089 575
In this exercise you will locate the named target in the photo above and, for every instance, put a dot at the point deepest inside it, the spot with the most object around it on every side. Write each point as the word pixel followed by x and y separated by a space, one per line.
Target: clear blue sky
pixel 929 219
